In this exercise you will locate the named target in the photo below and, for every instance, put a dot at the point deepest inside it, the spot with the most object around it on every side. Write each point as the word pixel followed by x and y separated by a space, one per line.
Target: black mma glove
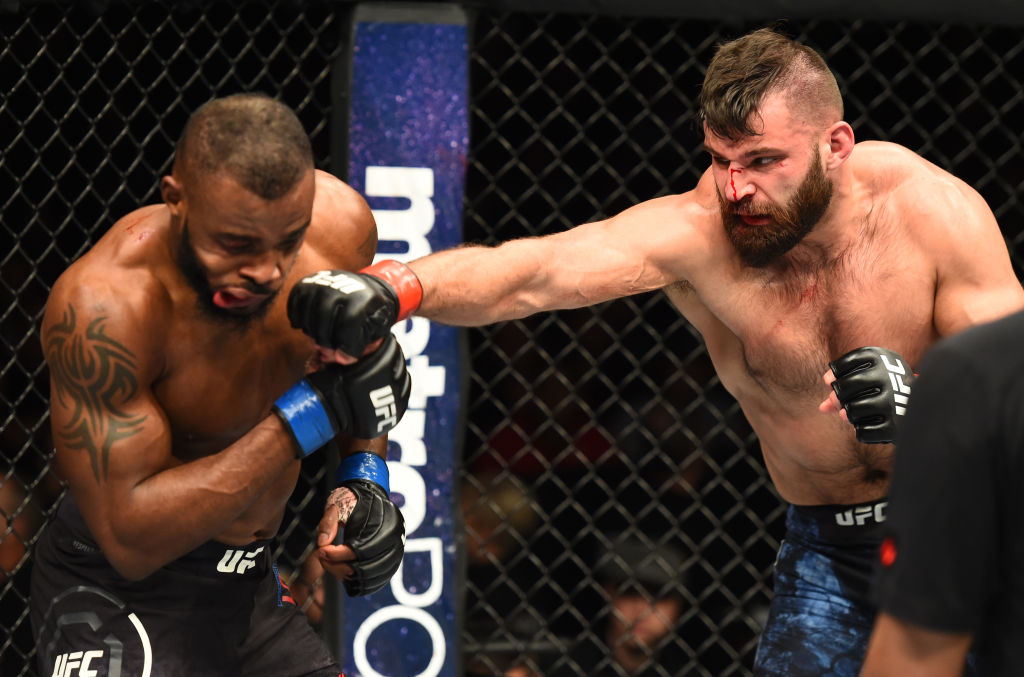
pixel 376 533
pixel 347 311
pixel 375 530
pixel 873 385
pixel 363 400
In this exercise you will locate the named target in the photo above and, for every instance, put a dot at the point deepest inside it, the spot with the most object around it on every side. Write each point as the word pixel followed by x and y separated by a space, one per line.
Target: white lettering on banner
pixel 408 482
pixel 434 547
pixel 391 613
pixel 427 380
pixel 413 334
pixel 408 435
pixel 411 225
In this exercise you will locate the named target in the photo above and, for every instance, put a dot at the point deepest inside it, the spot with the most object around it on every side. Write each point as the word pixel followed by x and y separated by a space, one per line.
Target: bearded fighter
pixel 817 270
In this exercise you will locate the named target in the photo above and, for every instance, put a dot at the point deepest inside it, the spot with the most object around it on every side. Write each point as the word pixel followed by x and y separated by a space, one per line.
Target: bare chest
pixel 775 336
pixel 787 346
pixel 217 386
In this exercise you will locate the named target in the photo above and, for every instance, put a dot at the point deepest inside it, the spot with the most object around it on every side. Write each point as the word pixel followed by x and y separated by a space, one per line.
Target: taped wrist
pixel 305 417
pixel 405 283
pixel 363 466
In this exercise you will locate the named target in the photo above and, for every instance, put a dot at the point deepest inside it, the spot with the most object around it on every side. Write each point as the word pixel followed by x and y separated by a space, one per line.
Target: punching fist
pixel 872 385
pixel 363 400
pixel 348 311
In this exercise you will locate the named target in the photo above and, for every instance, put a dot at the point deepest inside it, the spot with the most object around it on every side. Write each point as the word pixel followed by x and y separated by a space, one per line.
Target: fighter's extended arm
pixel 641 249
pixel 907 650
pixel 578 267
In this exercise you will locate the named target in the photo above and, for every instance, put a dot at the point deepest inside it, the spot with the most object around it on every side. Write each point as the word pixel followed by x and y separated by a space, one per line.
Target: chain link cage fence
pixel 602 456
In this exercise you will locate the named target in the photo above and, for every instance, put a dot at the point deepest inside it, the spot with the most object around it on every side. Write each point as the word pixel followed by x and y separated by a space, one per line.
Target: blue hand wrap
pixel 363 466
pixel 304 413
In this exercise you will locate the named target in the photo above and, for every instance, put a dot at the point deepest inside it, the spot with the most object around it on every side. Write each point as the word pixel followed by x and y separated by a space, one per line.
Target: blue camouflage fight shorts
pixel 821 615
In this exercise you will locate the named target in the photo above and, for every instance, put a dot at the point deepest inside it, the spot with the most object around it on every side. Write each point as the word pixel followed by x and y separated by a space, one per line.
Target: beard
pixel 196 277
pixel 759 246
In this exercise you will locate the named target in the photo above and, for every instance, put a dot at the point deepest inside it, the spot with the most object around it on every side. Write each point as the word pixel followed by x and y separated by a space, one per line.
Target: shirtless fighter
pixel 183 402
pixel 796 247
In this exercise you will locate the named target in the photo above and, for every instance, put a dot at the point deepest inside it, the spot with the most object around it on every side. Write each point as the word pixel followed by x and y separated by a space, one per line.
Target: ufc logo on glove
pixel 346 284
pixel 384 406
pixel 900 389
pixel 873 385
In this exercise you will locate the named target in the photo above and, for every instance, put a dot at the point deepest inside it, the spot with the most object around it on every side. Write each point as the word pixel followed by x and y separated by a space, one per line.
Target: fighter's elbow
pixel 135 574
pixel 131 559
pixel 132 566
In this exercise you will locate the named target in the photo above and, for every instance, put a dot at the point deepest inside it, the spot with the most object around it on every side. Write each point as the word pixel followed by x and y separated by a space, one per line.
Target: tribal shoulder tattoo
pixel 94 376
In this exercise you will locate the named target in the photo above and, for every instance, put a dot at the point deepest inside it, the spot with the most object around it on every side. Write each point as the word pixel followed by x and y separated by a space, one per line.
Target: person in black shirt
pixel 952 557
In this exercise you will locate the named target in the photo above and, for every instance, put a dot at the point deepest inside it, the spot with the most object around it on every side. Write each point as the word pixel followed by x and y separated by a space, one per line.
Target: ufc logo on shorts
pixel 238 561
pixel 383 401
pixel 76 664
pixel 346 284
pixel 862 515
pixel 900 390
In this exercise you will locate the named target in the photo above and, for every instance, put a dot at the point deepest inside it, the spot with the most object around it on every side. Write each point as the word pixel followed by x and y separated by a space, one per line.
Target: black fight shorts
pixel 220 610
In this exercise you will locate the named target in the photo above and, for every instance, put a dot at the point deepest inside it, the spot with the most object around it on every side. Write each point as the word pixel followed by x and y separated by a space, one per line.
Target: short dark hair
pixel 745 70
pixel 258 141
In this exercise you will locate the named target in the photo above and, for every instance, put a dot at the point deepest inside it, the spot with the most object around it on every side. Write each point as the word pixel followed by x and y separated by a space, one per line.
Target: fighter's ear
pixel 173 194
pixel 839 137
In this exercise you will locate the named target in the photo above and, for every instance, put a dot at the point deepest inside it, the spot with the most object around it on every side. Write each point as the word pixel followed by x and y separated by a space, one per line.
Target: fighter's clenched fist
pixel 872 386
pixel 369 549
pixel 348 311
pixel 363 400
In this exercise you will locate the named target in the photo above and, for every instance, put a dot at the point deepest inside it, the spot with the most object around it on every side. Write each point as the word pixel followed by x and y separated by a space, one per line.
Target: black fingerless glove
pixel 347 311
pixel 873 386
pixel 376 529
pixel 368 398
pixel 363 400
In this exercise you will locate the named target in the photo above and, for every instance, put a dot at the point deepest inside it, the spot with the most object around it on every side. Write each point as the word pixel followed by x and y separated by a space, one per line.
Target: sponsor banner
pixel 408 138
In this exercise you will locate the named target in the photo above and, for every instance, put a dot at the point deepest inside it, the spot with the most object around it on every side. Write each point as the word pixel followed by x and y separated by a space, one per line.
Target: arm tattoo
pixel 93 375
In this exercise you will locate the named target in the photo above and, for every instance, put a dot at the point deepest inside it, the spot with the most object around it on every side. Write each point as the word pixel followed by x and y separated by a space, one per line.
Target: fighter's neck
pixel 840 228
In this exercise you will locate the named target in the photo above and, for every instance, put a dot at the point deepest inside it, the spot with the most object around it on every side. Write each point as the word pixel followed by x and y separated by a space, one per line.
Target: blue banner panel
pixel 408 138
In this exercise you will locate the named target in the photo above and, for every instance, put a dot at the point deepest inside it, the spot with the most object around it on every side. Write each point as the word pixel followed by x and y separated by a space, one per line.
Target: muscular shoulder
pixel 928 200
pixel 947 227
pixel 685 236
pixel 342 233
pixel 115 293
pixel 685 224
